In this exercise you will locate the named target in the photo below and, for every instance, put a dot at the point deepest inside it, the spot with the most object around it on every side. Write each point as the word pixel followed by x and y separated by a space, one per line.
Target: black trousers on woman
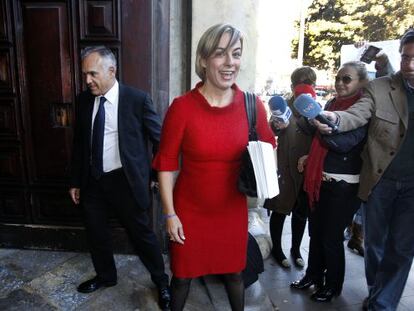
pixel 337 204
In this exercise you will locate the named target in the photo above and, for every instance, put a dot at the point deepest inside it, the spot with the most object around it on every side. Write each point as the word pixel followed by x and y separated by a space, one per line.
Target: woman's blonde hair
pixel 209 42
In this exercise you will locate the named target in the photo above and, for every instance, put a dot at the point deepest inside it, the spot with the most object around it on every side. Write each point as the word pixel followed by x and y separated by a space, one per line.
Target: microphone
pixel 309 108
pixel 279 108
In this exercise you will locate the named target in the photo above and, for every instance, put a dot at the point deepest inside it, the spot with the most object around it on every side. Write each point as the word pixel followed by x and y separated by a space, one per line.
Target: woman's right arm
pixel 173 223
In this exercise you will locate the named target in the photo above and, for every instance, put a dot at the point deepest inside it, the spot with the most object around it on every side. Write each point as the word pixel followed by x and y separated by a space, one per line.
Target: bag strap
pixel 250 104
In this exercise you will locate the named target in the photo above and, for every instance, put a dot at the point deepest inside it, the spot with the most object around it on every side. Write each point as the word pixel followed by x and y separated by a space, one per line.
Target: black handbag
pixel 254 262
pixel 247 181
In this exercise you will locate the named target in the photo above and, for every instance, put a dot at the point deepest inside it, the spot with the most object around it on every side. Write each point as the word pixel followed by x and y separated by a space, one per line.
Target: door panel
pixel 13 205
pixel 100 20
pixel 9 128
pixel 48 77
pixel 11 164
pixel 6 71
pixel 4 21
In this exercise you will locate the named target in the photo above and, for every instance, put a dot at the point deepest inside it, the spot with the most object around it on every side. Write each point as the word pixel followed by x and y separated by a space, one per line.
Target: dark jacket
pixel 137 124
pixel 344 155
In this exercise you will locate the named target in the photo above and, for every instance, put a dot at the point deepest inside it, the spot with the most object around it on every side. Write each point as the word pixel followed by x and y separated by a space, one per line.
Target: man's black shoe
pixel 303 283
pixel 325 294
pixel 164 298
pixel 93 284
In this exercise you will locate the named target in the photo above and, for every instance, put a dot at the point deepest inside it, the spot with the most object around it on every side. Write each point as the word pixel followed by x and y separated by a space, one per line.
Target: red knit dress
pixel 210 141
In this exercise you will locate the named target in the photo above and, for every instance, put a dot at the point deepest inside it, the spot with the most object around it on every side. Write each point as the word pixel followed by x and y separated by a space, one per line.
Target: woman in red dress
pixel 204 134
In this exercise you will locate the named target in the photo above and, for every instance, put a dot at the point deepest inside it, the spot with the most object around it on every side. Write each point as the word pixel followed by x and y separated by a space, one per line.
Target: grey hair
pixel 209 42
pixel 103 51
pixel 360 68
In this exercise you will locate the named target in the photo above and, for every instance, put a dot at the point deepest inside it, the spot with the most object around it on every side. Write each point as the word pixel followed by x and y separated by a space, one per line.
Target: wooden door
pixel 40 44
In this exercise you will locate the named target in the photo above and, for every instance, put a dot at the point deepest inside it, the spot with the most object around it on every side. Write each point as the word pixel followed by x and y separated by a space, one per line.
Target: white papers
pixel 264 164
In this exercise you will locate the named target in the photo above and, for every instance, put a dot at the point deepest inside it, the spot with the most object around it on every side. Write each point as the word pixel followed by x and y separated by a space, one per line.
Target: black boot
pixel 276 228
pixel 325 294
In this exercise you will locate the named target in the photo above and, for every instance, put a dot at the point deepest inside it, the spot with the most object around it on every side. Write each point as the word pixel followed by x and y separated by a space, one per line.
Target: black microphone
pixel 309 108
pixel 279 108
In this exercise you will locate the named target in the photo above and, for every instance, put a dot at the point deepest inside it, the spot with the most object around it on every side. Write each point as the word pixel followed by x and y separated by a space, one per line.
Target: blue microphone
pixel 279 108
pixel 309 108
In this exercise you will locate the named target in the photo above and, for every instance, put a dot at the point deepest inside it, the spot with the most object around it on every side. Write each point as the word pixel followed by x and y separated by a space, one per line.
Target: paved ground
pixel 46 280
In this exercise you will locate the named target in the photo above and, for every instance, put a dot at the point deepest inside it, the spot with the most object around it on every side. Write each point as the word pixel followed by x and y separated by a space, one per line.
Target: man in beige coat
pixel 387 178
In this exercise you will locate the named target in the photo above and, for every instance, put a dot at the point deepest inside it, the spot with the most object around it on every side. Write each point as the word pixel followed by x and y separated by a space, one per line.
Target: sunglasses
pixel 344 79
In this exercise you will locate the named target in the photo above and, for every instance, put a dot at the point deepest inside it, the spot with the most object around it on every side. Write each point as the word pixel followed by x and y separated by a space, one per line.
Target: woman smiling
pixel 331 182
pixel 206 216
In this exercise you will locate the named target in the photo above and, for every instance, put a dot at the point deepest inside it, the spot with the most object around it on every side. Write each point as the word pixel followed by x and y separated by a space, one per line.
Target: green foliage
pixel 333 23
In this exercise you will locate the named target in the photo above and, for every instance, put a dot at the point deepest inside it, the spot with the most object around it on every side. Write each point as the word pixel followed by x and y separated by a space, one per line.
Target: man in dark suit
pixel 111 169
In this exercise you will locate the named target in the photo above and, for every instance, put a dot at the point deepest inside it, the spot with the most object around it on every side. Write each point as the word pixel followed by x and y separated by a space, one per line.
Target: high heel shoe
pixel 304 283
pixel 325 294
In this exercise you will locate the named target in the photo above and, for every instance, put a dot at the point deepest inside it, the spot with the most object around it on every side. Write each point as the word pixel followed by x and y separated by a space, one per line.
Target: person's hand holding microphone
pixel 280 112
pixel 325 121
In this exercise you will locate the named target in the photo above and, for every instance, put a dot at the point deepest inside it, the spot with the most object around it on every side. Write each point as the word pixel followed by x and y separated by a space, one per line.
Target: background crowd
pixel 324 174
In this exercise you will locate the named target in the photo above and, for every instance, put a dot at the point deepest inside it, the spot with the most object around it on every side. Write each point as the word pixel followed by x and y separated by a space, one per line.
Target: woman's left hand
pixel 175 229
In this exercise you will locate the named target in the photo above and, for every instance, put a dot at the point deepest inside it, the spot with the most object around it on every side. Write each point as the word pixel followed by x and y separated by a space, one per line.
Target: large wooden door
pixel 40 44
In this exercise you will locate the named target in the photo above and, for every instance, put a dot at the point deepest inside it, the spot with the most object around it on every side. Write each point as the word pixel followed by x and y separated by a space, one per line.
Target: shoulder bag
pixel 247 181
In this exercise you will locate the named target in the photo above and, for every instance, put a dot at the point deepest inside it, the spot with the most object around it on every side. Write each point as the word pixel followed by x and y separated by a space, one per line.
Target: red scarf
pixel 318 152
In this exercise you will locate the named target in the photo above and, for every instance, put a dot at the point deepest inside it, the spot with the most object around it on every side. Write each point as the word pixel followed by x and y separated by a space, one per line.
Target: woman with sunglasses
pixel 331 183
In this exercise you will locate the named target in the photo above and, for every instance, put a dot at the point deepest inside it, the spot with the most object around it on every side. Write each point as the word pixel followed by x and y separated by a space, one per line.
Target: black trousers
pixel 112 194
pixel 337 204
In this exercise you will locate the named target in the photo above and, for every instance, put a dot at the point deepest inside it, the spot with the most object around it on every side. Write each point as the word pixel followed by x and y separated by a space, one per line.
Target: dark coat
pixel 344 155
pixel 137 124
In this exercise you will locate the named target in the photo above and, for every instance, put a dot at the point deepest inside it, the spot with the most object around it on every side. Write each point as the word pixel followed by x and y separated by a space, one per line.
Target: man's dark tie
pixel 98 140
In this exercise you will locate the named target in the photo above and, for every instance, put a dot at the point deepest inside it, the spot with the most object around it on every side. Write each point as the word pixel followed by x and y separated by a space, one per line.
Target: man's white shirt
pixel 111 158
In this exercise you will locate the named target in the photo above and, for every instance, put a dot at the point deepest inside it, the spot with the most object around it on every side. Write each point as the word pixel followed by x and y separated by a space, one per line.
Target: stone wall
pixel 179 41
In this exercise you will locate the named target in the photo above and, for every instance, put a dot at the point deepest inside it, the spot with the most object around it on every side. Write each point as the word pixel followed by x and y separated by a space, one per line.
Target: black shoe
pixel 356 247
pixel 325 294
pixel 304 283
pixel 365 304
pixel 164 298
pixel 93 285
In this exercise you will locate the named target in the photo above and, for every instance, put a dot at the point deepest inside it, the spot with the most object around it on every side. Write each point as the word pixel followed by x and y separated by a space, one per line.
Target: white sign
pixel 350 53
